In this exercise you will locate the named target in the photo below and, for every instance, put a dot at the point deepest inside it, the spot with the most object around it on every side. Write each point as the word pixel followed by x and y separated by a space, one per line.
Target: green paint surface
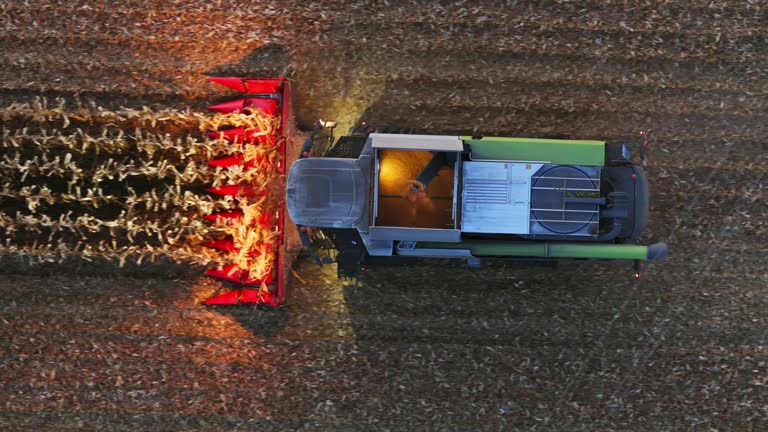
pixel 545 249
pixel 560 152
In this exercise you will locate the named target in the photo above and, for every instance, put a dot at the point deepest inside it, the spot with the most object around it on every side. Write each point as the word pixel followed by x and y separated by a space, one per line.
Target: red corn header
pixel 260 252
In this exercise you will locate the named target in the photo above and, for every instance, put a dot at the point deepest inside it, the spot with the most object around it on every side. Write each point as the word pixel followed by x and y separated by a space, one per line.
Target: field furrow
pixel 101 204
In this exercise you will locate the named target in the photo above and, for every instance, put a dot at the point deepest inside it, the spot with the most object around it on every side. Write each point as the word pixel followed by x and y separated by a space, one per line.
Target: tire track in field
pixel 661 325
pixel 570 385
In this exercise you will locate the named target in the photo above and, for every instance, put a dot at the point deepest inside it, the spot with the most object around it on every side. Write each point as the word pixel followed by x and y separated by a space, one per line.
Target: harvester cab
pixel 383 196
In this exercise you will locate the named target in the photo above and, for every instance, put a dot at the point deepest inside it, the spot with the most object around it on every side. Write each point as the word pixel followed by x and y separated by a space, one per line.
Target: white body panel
pixel 496 197
pixel 446 143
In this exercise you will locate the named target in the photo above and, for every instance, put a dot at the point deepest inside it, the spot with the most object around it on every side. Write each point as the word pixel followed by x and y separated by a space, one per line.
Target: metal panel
pixel 444 143
pixel 414 234
pixel 411 249
pixel 376 247
pixel 365 162
pixel 455 191
pixel 377 169
pixel 496 197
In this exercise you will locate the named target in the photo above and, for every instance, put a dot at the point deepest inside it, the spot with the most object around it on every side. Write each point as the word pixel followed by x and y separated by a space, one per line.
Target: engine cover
pixel 530 199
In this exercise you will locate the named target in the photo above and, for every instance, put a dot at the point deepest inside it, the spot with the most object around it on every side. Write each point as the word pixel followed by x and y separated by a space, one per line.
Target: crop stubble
pixel 580 348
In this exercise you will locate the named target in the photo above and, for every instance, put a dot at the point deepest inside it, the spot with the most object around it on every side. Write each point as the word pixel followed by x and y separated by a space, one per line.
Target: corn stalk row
pixel 90 147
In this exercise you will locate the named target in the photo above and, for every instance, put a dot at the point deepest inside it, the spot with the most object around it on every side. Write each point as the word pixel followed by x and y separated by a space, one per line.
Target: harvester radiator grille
pixel 486 191
pixel 565 201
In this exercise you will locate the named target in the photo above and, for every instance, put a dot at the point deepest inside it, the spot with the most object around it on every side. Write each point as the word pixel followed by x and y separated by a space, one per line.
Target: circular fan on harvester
pixel 550 203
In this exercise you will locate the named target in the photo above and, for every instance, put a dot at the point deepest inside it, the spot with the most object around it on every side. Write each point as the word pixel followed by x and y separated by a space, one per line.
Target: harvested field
pixel 95 344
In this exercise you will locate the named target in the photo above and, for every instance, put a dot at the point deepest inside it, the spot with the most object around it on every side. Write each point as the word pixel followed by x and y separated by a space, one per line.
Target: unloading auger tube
pixel 266 283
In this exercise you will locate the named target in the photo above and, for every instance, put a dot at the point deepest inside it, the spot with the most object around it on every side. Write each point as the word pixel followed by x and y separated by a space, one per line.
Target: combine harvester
pixel 374 197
